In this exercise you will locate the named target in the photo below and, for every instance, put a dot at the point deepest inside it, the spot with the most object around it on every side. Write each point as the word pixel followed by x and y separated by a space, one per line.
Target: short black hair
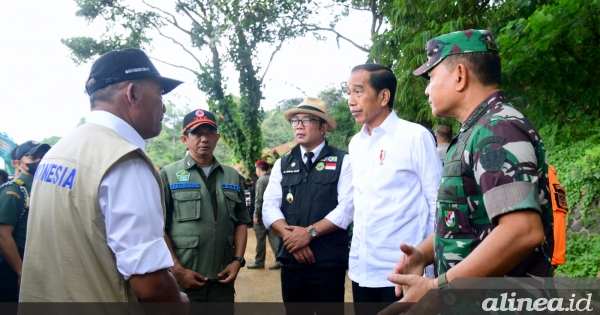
pixel 486 66
pixel 3 176
pixel 263 167
pixel 381 77
pixel 444 131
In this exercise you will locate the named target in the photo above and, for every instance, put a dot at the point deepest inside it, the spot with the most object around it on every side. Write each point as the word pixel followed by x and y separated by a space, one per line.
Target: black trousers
pixel 369 301
pixel 313 289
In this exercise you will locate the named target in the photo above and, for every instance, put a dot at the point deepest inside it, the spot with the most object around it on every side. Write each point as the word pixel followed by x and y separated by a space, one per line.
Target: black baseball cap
pixel 13 153
pixel 198 117
pixel 30 148
pixel 122 65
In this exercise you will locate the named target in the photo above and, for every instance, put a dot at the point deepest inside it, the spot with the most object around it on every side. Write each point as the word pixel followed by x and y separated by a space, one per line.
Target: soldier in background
pixel 493 215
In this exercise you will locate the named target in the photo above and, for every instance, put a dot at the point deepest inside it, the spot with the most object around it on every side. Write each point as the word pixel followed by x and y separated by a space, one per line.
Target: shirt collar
pixel 316 150
pixel 190 162
pixel 118 125
pixel 497 97
pixel 27 180
pixel 388 125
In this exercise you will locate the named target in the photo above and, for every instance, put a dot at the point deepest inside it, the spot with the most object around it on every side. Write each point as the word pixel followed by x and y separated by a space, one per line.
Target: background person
pixel 263 172
pixel 14 211
pixel 443 136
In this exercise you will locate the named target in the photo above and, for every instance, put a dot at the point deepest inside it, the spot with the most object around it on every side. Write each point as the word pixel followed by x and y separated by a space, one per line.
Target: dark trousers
pixel 9 282
pixel 313 289
pixel 369 301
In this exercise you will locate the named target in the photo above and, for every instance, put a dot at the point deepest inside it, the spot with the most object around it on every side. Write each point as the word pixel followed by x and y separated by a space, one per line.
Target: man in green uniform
pixel 206 215
pixel 494 216
pixel 14 206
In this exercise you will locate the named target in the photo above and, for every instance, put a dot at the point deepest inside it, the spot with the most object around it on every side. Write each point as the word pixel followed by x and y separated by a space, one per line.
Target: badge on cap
pixel 183 176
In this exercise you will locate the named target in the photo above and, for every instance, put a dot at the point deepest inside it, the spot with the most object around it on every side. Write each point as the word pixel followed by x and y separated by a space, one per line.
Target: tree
pixel 276 130
pixel 222 31
pixel 167 147
pixel 51 140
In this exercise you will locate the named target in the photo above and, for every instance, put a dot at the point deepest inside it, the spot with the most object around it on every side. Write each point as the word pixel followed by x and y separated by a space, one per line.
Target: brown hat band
pixel 310 108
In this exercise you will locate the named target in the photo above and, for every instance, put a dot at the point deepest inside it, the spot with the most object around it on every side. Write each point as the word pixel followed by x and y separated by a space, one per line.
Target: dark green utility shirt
pixel 13 210
pixel 202 213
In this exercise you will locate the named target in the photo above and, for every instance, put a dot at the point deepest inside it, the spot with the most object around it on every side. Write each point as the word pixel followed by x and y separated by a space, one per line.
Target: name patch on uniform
pixel 291 171
pixel 56 174
pixel 184 186
pixel 231 186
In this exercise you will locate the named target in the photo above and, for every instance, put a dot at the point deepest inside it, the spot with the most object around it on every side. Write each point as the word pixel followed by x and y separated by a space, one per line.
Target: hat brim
pixel 168 84
pixel 40 148
pixel 423 70
pixel 330 121
pixel 200 123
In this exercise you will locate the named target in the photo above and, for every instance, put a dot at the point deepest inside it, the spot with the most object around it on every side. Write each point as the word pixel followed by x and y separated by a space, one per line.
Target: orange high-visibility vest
pixel 559 211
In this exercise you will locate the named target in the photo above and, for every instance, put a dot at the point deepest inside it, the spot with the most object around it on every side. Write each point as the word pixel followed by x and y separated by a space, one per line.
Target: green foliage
pixel 276 130
pixel 222 32
pixel 167 147
pixel 583 257
pixel 51 140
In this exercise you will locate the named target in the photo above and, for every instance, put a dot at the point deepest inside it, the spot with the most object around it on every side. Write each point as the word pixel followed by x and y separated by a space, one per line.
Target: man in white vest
pixel 97 211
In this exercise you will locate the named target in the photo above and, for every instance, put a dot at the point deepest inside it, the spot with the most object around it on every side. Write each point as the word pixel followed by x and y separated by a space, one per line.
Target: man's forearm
pixel 158 286
pixel 427 250
pixel 279 227
pixel 240 240
pixel 324 227
pixel 10 253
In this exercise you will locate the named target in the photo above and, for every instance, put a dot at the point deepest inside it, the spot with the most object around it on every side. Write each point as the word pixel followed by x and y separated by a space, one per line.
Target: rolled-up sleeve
pixel 343 214
pixel 271 207
pixel 129 199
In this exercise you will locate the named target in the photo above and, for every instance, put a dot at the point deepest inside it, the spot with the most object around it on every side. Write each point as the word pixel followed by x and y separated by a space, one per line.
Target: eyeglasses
pixel 306 121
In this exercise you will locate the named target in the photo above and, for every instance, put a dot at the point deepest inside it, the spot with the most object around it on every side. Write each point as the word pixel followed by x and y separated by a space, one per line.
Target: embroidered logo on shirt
pixel 449 218
pixel 320 166
pixel 185 186
pixel 183 176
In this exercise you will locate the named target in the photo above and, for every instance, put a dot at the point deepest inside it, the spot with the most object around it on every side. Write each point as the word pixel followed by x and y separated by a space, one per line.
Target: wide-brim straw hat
pixel 312 106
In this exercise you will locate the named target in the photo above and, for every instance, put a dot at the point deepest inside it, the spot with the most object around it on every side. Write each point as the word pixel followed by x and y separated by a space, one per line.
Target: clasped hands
pixel 296 241
pixel 190 279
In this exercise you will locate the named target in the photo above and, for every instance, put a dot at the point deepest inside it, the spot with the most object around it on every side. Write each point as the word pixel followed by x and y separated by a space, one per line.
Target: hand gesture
pixel 295 240
pixel 231 271
pixel 188 278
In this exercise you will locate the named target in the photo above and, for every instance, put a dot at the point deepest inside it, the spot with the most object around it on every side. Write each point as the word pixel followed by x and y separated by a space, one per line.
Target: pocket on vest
pixel 187 205
pixel 186 250
pixel 232 200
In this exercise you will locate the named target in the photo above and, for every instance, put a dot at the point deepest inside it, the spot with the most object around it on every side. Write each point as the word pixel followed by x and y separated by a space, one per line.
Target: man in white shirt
pixel 96 214
pixel 396 172
pixel 308 203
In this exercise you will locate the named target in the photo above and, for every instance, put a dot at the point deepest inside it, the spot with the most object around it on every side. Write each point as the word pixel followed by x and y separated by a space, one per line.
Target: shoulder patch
pixel 492 160
pixel 488 140
pixel 13 194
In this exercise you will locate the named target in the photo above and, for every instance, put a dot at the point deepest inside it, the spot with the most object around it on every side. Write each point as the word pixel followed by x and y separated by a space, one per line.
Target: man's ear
pixel 183 139
pixel 462 77
pixel 324 128
pixel 132 92
pixel 385 97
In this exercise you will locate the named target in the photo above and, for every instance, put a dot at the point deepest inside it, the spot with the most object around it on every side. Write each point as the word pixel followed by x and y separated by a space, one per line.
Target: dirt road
pixel 264 285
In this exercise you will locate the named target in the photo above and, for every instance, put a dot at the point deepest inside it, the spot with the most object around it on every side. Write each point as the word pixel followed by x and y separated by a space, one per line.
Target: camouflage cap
pixel 460 42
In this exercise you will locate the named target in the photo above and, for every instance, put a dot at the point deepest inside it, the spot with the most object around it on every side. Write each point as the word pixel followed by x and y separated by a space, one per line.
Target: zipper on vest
pixel 215 240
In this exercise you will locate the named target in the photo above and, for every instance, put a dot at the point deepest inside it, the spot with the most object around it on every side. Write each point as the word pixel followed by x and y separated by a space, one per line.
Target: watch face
pixel 312 232
pixel 449 297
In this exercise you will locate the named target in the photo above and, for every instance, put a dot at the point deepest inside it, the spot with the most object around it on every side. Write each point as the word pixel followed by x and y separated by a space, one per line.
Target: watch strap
pixel 240 259
pixel 442 281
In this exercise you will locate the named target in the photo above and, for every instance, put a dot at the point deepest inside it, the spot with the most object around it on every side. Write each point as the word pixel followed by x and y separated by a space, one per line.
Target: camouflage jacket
pixel 495 165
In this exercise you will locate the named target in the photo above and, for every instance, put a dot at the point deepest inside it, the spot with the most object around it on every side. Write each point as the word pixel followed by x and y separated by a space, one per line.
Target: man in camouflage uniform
pixel 14 210
pixel 494 216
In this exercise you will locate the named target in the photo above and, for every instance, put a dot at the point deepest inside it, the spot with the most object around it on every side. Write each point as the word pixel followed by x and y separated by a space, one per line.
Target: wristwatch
pixel 312 232
pixel 241 260
pixel 446 293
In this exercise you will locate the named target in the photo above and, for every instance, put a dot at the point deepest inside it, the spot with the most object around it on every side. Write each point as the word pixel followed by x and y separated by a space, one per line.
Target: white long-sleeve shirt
pixel 396 172
pixel 341 215
pixel 129 199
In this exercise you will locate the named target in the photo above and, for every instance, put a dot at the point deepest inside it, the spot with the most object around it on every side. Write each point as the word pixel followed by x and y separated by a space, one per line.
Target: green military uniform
pixel 14 206
pixel 201 215
pixel 495 165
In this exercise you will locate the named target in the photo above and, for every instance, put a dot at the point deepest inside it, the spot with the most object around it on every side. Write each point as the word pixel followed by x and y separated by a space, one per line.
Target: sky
pixel 43 91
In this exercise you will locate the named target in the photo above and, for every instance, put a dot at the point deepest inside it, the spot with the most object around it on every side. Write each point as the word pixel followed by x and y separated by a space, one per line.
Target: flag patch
pixel 330 166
